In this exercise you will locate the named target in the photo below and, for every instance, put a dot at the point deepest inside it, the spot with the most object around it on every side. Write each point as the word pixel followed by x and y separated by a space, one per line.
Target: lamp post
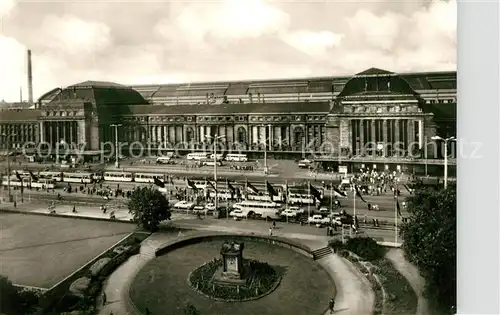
pixel 216 138
pixel 8 163
pixel 266 169
pixel 117 163
pixel 445 140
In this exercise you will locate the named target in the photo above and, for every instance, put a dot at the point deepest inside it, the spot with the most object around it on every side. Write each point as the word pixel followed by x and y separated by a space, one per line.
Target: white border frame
pixel 478 189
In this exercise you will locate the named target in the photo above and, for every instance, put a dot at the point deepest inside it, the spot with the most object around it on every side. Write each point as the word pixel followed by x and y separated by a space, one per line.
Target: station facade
pixel 375 114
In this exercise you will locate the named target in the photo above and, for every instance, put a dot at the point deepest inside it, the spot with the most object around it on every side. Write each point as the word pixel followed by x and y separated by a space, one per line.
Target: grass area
pixel 41 250
pixel 400 297
pixel 162 284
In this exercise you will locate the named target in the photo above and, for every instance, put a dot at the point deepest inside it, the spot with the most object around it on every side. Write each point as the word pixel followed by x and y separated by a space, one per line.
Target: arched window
pixel 242 135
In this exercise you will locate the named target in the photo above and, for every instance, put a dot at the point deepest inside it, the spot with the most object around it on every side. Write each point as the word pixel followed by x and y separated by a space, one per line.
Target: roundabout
pixel 217 279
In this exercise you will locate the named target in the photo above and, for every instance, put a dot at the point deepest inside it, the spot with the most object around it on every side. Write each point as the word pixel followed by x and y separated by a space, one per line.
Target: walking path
pixel 411 273
pixel 354 293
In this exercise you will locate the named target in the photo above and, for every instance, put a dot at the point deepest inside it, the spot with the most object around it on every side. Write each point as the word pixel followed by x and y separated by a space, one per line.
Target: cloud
pixel 407 42
pixel 218 40
pixel 315 44
pixel 227 20
pixel 70 35
pixel 6 6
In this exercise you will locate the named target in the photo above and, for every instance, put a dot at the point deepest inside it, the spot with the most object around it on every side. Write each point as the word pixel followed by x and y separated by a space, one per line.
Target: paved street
pixel 190 221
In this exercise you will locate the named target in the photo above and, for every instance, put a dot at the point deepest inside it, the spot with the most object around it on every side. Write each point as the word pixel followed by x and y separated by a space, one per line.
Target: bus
pixel 199 156
pixel 294 198
pixel 163 160
pixel 236 158
pixel 57 176
pixel 221 193
pixel 78 177
pixel 219 157
pixel 118 176
pixel 211 163
pixel 262 209
pixel 147 177
pixel 42 183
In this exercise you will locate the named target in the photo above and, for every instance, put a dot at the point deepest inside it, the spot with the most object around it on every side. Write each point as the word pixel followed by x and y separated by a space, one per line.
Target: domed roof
pixel 99 93
pixel 376 81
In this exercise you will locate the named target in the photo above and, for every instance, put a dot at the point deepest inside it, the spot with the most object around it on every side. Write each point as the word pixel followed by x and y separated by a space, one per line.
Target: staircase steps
pixel 322 252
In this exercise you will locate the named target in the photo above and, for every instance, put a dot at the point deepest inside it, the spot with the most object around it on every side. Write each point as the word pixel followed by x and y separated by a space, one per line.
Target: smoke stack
pixel 21 94
pixel 30 79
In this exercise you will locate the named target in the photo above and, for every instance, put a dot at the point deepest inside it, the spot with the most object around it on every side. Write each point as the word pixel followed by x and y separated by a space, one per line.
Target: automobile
pixel 237 214
pixel 210 207
pixel 199 209
pixel 289 213
pixel 305 163
pixel 297 210
pixel 335 218
pixel 318 220
pixel 323 210
pixel 186 205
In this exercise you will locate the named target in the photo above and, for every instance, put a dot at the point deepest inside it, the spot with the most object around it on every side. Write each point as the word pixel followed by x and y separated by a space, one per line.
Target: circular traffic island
pixel 256 281
pixel 268 280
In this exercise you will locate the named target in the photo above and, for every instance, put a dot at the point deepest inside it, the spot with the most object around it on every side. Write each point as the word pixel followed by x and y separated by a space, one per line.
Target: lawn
pixel 41 250
pixel 162 284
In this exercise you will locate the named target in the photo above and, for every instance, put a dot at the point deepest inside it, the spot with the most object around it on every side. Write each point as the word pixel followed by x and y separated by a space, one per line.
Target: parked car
pixel 185 205
pixel 297 210
pixel 323 210
pixel 237 213
pixel 318 220
pixel 199 209
pixel 289 213
pixel 210 207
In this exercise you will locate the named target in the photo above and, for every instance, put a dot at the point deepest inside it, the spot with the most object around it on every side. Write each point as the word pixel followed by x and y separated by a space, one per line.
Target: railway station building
pixel 375 117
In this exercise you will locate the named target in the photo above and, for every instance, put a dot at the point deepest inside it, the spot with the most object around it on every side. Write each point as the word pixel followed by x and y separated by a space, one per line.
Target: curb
pixel 80 217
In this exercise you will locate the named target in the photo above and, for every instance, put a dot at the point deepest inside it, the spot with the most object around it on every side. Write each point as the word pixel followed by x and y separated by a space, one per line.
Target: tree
pixel 430 242
pixel 189 309
pixel 149 207
pixel 13 300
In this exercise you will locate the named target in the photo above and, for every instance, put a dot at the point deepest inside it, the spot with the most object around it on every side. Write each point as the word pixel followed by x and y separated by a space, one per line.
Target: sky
pixel 153 42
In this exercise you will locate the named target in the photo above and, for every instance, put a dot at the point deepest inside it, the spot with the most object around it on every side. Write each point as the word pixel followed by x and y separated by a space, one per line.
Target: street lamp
pixel 117 163
pixel 8 163
pixel 445 140
pixel 266 170
pixel 216 138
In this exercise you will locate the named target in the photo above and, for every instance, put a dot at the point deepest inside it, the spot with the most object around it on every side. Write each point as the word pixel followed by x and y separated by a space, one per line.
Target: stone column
pixel 42 131
pixel 420 133
pixel 411 135
pixel 271 137
pixel 81 132
pixel 51 133
pixel 202 133
pixel 255 134
pixel 278 136
pixel 396 132
pixel 159 137
pixel 361 136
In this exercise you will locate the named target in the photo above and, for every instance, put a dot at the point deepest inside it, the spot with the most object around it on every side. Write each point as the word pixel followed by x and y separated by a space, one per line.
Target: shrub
pixel 365 247
pixel 336 245
pixel 344 253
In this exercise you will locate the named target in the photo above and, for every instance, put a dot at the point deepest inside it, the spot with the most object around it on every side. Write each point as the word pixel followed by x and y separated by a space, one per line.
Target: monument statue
pixel 233 270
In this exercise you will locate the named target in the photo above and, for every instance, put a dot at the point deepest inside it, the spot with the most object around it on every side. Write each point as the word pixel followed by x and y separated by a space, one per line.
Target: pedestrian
pixel 274 224
pixel 331 305
pixel 270 231
pixel 74 209
pixel 104 298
